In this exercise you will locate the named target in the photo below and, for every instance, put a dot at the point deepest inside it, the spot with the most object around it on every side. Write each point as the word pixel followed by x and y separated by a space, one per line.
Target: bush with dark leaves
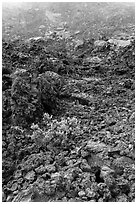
pixel 33 94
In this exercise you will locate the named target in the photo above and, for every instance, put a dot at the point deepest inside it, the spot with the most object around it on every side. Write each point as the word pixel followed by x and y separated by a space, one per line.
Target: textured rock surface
pixel 84 152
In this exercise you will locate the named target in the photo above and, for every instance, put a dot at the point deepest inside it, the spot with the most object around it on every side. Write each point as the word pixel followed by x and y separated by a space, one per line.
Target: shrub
pixel 33 94
pixel 59 134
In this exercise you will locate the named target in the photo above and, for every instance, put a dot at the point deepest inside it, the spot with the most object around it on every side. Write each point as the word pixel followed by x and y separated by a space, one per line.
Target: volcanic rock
pixel 30 176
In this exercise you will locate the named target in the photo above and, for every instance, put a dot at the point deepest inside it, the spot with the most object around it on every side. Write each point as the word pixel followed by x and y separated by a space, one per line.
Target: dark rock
pixel 124 186
pixel 32 94
pixel 113 151
pixel 83 98
pixel 33 161
pixel 89 158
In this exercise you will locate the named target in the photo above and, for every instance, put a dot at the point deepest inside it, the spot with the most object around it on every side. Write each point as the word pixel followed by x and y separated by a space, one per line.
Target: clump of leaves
pixel 59 134
pixel 33 94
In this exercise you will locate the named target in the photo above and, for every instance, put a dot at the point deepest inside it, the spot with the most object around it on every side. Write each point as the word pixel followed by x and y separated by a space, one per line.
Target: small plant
pixel 55 132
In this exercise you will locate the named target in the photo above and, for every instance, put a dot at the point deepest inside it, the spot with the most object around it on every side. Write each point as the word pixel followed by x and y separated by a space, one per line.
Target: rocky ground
pixel 68 122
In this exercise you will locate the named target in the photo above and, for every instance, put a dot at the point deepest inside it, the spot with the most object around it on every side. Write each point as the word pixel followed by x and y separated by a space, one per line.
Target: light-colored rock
pixel 91 79
pixel 42 26
pixel 50 168
pixel 96 146
pixel 78 43
pixel 55 175
pixel 14 186
pixel 9 198
pixel 3 196
pixel 81 193
pixel 105 171
pixel 24 196
pixel 119 43
pixel 122 198
pixel 30 175
pixel 41 169
pixel 85 166
pixel 18 174
pixel 94 60
pixel 34 39
pixel 100 43
pixel 90 193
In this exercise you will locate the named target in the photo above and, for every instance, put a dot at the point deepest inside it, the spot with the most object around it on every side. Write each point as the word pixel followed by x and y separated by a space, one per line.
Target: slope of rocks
pixel 68 125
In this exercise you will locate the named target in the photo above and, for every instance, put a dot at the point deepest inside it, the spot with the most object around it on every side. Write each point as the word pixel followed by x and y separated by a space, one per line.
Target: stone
pixel 14 186
pixel 81 193
pixel 41 26
pixel 50 189
pixel 120 43
pixel 123 162
pixel 30 176
pixel 9 198
pixel 84 153
pixel 15 192
pixel 18 174
pixel 23 196
pixel 34 39
pixel 43 89
pixel 96 146
pixel 55 176
pixel 95 162
pixel 40 183
pixel 41 169
pixel 91 79
pixel 53 77
pixel 105 171
pixel 93 60
pixel 90 193
pixel 113 151
pixel 109 181
pixel 46 176
pixel 50 168
pixel 82 98
pixel 124 43
pixel 3 197
pixel 100 200
pixel 122 198
pixel 79 43
pixel 92 200
pixel 100 43
pixel 85 166
pixel 125 186
pixel 64 199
